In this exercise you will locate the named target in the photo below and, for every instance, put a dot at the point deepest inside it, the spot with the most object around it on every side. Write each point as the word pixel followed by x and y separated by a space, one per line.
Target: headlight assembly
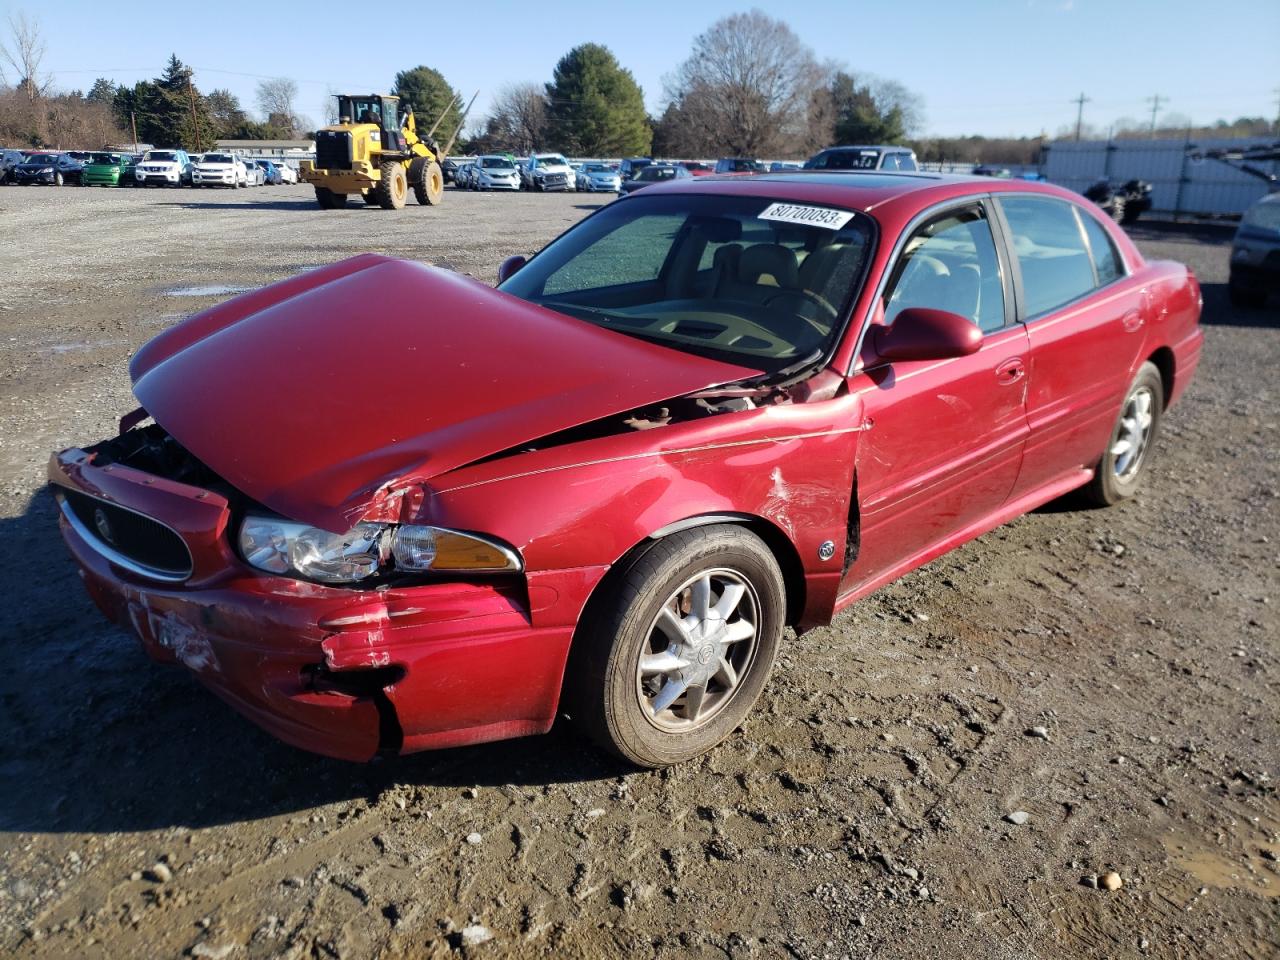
pixel 367 550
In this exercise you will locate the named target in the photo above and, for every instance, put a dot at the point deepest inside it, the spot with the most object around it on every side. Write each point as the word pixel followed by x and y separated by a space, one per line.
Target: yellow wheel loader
pixel 374 152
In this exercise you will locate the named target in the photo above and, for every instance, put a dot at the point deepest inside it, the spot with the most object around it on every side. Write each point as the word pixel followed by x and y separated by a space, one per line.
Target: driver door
pixel 942 440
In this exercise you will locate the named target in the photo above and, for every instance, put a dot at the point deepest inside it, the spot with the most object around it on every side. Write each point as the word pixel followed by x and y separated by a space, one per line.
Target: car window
pixel 905 162
pixel 1050 249
pixel 890 162
pixel 950 263
pixel 1106 259
pixel 633 253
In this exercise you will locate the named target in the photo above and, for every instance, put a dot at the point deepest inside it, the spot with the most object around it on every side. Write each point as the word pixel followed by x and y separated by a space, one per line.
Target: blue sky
pixel 982 66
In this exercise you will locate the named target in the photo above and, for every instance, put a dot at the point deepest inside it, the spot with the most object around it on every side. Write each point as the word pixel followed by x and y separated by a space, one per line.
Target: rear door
pixel 942 439
pixel 1085 318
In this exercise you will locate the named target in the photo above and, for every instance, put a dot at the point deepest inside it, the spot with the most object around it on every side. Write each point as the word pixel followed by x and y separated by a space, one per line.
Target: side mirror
pixel 919 333
pixel 510 267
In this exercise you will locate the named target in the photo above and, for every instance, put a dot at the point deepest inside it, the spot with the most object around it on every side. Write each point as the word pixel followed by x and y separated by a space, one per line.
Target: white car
pixel 254 176
pixel 287 173
pixel 599 178
pixel 218 170
pixel 168 168
pixel 494 172
pixel 547 171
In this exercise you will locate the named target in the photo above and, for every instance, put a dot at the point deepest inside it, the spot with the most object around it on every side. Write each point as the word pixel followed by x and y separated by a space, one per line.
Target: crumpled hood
pixel 319 395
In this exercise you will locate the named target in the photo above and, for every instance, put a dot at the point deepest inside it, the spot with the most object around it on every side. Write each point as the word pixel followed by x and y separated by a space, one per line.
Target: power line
pixel 1155 108
pixel 1079 101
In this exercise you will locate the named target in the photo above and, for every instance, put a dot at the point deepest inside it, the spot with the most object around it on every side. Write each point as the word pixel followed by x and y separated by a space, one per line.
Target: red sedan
pixel 381 507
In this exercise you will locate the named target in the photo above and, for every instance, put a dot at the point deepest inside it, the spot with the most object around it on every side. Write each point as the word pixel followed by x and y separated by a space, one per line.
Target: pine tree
pixel 595 107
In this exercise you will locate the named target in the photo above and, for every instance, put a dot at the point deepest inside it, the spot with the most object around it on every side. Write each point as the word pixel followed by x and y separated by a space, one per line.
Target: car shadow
pixel 296 203
pixel 1219 311
pixel 101 739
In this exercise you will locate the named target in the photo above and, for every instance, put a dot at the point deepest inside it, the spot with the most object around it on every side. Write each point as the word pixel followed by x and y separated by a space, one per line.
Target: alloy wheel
pixel 700 647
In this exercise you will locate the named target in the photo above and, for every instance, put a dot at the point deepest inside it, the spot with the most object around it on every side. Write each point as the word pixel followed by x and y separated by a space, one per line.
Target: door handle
pixel 1132 321
pixel 1011 371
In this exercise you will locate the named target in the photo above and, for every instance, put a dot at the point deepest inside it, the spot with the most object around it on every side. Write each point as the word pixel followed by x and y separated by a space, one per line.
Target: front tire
pixel 427 180
pixel 1122 465
pixel 675 655
pixel 393 187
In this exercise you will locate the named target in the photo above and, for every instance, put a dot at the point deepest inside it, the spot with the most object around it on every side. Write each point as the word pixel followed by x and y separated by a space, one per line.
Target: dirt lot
pixel 860 811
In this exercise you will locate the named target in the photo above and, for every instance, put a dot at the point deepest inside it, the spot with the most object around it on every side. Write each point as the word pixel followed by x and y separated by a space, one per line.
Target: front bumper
pixel 593 186
pixel 172 178
pixel 221 178
pixel 348 673
pixel 513 184
pixel 27 178
pixel 100 179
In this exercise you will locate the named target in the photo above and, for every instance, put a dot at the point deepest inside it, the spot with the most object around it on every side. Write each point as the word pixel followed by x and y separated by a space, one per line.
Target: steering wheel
pixel 828 314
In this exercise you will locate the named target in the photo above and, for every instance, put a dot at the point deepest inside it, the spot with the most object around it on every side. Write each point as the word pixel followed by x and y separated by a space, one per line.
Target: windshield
pixel 1263 215
pixel 105 159
pixel 163 156
pixel 742 279
pixel 216 158
pixel 656 173
pixel 46 159
pixel 495 163
pixel 597 168
pixel 552 162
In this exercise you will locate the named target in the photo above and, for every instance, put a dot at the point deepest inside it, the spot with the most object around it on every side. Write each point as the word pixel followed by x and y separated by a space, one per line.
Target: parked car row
pixel 165 168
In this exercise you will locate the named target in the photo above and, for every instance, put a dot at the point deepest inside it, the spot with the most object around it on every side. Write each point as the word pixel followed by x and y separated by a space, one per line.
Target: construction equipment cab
pixel 374 151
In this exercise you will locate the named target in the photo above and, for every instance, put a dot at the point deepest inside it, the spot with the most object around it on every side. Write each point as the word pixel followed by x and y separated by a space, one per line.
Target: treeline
pixel 750 87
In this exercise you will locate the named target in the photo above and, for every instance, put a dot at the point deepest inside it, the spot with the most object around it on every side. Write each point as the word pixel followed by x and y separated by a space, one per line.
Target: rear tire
pixel 1242 296
pixel 329 200
pixel 393 187
pixel 428 181
pixel 1124 462
pixel 625 658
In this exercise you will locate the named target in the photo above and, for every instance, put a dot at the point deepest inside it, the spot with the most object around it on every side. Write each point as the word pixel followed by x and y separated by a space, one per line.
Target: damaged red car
pixel 382 507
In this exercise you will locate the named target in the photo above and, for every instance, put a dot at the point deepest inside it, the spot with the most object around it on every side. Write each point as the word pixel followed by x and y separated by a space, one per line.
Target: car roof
pixel 866 146
pixel 894 196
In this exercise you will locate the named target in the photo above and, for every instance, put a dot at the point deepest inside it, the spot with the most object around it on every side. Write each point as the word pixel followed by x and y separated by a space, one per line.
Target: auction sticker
pixel 807 216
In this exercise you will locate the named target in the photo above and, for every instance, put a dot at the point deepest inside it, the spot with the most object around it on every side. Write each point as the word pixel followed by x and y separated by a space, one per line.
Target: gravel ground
pixel 1110 677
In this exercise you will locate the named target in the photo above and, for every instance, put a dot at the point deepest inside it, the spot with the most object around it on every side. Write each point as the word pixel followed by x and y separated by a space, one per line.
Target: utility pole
pixel 1155 108
pixel 133 123
pixel 195 125
pixel 1079 101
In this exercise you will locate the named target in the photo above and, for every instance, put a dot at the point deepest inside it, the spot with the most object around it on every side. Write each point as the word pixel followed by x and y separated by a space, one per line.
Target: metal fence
pixel 1181 186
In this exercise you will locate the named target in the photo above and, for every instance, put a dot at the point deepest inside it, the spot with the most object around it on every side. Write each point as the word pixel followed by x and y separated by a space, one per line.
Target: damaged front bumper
pixel 345 672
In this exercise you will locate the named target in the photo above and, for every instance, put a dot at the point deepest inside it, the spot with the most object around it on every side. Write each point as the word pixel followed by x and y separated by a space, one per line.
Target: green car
pixel 105 170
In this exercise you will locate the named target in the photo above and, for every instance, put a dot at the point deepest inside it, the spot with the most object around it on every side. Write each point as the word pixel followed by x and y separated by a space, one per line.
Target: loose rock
pixel 1017 818
pixel 1111 880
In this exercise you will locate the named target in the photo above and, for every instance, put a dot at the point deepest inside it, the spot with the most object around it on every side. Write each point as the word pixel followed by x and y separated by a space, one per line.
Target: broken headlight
pixel 367 550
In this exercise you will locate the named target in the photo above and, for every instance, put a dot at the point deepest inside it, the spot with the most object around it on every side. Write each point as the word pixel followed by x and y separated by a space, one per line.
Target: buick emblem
pixel 104 527
pixel 827 550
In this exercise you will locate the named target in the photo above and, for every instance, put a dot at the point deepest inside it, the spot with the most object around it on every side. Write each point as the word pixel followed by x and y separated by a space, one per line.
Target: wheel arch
pixel 774 538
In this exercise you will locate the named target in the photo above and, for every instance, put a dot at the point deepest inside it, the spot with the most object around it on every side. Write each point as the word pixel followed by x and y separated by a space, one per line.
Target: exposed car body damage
pixel 524 372
pixel 382 394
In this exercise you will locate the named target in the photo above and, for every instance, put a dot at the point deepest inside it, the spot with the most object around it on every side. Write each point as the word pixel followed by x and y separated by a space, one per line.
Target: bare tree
pixel 24 53
pixel 276 98
pixel 746 87
pixel 518 119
